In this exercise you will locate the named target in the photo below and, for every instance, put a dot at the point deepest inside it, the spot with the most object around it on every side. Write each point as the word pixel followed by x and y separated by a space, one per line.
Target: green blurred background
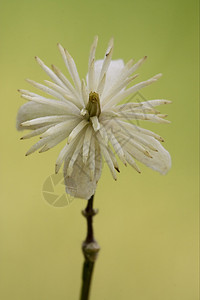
pixel 148 224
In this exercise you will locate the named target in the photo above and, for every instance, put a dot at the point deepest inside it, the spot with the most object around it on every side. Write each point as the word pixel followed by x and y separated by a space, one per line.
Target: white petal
pixel 86 143
pixel 53 142
pixel 106 154
pixel 157 102
pixel 46 89
pixel 93 50
pixel 37 145
pixel 66 151
pixel 67 83
pixel 66 106
pixel 142 116
pixel 116 89
pixel 77 130
pixel 79 184
pixel 84 92
pixel 91 161
pixel 131 161
pixel 67 95
pixel 49 72
pixel 91 77
pixel 43 120
pixel 74 156
pixel 129 127
pixel 160 161
pixel 117 147
pixel 106 61
pixel 71 66
pixel 36 132
pixel 61 128
pixel 32 110
pixel 112 74
pixel 95 123
pixel 101 85
pixel 119 97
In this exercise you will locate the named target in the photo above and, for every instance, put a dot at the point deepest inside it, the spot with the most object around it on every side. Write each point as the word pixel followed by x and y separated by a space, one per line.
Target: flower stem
pixel 90 250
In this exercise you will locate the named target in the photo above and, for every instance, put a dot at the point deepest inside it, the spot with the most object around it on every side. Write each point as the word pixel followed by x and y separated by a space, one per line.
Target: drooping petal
pixel 86 143
pixel 79 184
pixel 160 160
pixel 129 127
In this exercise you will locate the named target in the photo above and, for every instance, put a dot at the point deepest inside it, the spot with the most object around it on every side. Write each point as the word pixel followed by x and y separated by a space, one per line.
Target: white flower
pixel 88 115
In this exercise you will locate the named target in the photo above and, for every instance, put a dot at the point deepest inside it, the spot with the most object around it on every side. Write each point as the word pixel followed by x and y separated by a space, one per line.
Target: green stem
pixel 90 250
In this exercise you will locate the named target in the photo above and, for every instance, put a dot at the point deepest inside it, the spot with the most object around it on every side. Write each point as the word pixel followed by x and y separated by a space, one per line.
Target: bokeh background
pixel 147 224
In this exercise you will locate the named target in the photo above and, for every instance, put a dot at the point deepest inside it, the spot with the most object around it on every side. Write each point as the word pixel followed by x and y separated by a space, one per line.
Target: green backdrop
pixel 147 224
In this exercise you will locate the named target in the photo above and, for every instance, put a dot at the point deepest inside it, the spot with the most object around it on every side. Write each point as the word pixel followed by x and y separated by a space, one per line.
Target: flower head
pixel 88 115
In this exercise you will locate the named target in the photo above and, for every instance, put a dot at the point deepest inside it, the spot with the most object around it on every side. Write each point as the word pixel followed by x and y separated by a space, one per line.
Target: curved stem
pixel 90 250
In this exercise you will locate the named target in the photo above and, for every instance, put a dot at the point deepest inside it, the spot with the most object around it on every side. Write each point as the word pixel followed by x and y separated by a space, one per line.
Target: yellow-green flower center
pixel 93 106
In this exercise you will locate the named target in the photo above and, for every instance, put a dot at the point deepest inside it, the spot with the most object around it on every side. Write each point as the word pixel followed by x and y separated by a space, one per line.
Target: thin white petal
pixel 117 88
pixel 133 144
pixel 67 108
pixel 115 100
pixel 37 146
pixel 71 66
pixel 129 127
pixel 49 72
pixel 79 184
pixel 91 161
pixel 28 93
pixel 74 156
pixel 91 78
pixel 53 142
pixel 131 161
pixel 117 147
pixel 161 160
pixel 77 130
pixel 60 128
pixel 43 120
pixel 86 143
pixel 36 132
pixel 67 83
pixel 84 92
pixel 107 60
pixel 93 50
pixel 107 156
pixel 32 110
pixel 143 116
pixel 112 74
pixel 95 123
pixel 101 85
pixel 67 150
pixel 46 89
pixel 67 95
pixel 157 102
pixel 135 66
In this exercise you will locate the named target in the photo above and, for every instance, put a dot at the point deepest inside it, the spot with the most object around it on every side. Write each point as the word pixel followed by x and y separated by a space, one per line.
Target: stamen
pixel 93 106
